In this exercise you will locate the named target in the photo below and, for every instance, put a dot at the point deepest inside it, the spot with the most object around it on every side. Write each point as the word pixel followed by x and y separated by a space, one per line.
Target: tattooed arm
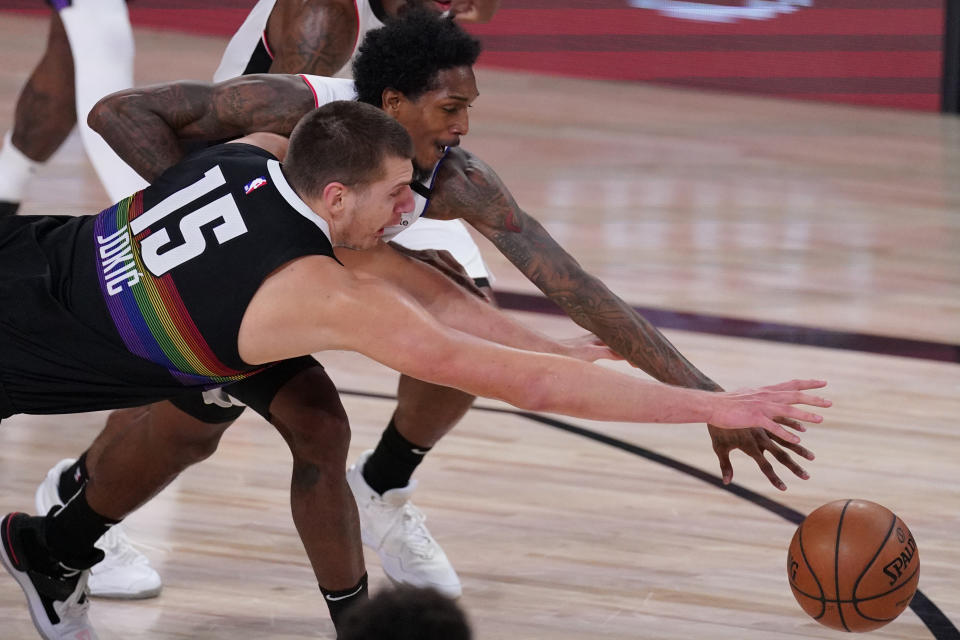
pixel 468 188
pixel 145 125
pixel 313 36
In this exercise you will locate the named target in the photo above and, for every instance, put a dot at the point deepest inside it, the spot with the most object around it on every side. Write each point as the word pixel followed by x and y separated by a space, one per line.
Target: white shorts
pixel 451 235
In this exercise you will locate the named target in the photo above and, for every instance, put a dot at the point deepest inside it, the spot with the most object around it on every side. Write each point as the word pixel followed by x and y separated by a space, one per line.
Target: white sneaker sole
pixel 33 598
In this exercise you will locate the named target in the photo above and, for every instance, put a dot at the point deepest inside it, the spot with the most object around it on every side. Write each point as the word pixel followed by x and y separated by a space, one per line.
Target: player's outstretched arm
pixel 473 191
pixel 458 308
pixel 145 126
pixel 313 304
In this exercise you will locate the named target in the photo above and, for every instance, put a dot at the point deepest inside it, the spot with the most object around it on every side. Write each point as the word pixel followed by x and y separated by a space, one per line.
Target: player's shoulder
pixel 229 151
pixel 230 157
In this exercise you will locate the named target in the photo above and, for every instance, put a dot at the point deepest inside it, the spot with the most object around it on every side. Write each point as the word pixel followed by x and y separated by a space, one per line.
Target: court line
pixel 770 331
pixel 930 614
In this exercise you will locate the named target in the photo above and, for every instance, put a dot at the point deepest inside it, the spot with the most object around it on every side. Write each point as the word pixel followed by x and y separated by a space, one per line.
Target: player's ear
pixel 334 198
pixel 391 100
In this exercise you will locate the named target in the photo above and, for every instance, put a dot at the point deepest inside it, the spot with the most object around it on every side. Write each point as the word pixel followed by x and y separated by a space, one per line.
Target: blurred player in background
pixel 89 54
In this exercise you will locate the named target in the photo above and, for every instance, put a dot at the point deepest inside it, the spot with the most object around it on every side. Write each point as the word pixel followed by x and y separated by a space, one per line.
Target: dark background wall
pixel 871 52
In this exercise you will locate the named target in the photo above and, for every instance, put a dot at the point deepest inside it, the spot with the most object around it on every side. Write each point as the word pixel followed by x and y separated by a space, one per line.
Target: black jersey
pixel 146 298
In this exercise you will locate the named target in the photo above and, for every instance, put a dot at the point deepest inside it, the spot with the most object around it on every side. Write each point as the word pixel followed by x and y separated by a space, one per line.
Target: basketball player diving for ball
pixel 435 110
pixel 321 37
pixel 115 309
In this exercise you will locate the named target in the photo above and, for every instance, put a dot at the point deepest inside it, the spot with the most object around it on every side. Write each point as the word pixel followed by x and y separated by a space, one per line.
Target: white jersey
pixel 249 52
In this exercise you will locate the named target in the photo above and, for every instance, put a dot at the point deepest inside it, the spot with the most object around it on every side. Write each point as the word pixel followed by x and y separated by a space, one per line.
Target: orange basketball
pixel 853 565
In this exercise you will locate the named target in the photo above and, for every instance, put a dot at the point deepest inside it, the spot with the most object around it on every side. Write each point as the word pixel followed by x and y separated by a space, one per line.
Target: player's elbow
pixel 105 112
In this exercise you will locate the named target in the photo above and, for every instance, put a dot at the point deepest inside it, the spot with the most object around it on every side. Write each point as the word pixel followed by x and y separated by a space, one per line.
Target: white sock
pixel 101 41
pixel 15 171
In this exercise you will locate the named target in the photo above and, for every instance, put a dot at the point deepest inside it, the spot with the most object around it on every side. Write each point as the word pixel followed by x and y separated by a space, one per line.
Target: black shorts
pixel 257 392
pixel 53 358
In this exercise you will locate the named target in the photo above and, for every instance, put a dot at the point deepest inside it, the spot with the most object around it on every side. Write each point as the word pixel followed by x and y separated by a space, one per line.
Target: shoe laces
pixel 117 547
pixel 76 605
pixel 416 535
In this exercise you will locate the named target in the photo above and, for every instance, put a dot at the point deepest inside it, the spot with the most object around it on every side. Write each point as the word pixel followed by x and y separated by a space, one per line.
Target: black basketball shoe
pixel 56 593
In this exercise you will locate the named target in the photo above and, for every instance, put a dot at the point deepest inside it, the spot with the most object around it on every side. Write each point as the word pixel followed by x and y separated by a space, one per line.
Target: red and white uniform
pixel 249 52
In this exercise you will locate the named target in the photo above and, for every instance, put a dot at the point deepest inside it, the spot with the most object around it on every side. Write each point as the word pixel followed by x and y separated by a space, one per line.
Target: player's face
pixel 438 118
pixel 379 205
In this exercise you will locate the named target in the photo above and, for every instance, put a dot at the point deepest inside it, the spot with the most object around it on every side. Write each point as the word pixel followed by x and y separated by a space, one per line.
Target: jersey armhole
pixel 266 45
pixel 356 40
pixel 316 99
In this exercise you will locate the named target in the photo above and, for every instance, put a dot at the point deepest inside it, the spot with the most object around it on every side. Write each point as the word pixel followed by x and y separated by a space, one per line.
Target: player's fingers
pixel 794 447
pixel 789 411
pixel 787 422
pixel 787 460
pixel 777 430
pixel 726 468
pixel 798 397
pixel 797 385
pixel 767 469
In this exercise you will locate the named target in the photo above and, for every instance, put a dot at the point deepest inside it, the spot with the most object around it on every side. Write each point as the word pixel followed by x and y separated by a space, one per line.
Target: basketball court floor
pixel 769 239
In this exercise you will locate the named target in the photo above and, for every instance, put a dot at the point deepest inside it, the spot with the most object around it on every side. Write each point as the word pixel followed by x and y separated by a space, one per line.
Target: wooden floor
pixel 823 216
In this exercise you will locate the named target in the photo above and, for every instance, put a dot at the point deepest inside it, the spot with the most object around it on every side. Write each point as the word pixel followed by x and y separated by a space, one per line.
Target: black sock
pixel 72 530
pixel 72 478
pixel 393 461
pixel 341 600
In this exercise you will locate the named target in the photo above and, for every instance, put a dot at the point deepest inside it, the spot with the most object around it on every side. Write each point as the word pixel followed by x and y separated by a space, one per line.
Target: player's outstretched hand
pixel 756 442
pixel 761 407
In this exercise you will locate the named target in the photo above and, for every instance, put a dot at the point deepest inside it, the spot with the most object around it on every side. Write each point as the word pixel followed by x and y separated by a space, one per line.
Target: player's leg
pixel 43 118
pixel 101 40
pixel 49 555
pixel 302 403
pixel 188 428
pixel 381 478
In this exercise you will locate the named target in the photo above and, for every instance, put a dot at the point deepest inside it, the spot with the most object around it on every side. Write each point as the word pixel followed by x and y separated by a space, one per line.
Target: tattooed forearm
pixel 146 126
pixel 477 195
pixel 131 126
pixel 593 306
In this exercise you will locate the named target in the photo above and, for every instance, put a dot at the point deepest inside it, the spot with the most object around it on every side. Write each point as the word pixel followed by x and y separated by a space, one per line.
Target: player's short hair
pixel 407 54
pixel 405 613
pixel 343 141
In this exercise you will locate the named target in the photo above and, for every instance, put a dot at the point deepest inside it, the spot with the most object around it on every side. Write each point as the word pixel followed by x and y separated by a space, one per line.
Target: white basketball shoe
pixel 124 573
pixel 393 527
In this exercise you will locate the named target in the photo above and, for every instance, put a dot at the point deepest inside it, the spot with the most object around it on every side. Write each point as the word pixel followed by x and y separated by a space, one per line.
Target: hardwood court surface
pixel 814 215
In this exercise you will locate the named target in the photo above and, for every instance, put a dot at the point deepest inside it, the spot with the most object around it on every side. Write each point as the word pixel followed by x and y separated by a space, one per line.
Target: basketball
pixel 853 565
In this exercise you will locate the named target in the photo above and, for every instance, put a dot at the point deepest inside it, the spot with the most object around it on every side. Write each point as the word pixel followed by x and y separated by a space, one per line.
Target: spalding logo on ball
pixel 853 565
